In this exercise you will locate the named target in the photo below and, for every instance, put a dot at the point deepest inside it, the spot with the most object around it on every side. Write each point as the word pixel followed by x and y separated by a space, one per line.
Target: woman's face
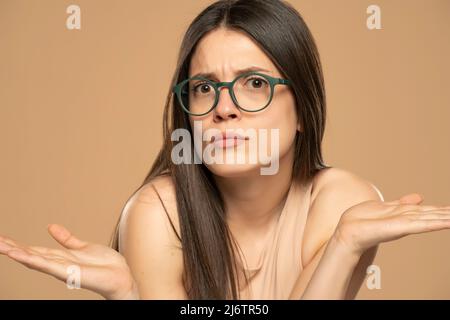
pixel 223 53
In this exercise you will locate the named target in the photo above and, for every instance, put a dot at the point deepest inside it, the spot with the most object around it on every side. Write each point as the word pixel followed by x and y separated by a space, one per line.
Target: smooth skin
pixel 155 259
pixel 347 220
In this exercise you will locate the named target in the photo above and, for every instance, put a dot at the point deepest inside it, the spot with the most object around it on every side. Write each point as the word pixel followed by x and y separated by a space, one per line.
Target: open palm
pixel 102 269
pixel 372 222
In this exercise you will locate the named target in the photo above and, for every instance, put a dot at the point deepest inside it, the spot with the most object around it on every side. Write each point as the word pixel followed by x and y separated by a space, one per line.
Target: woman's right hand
pixel 102 269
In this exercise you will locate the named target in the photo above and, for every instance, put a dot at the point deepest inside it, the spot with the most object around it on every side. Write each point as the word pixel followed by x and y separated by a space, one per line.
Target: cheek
pixel 282 116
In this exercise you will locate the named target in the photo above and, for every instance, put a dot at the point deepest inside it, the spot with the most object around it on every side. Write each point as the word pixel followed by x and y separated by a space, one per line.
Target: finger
pixel 422 209
pixel 411 198
pixel 399 210
pixel 421 226
pixel 39 263
pixel 4 247
pixel 64 237
pixel 404 209
pixel 400 226
pixel 9 244
pixel 51 253
pixel 430 216
pixel 430 208
pixel 9 241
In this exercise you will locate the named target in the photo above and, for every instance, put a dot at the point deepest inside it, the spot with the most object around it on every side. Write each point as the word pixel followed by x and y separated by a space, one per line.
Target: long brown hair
pixel 209 261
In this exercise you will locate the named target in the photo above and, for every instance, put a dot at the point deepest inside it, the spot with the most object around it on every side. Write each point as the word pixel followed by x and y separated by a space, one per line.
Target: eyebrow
pixel 210 75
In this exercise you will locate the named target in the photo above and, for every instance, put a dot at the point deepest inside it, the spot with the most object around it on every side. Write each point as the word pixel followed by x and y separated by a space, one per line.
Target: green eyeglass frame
pixel 217 85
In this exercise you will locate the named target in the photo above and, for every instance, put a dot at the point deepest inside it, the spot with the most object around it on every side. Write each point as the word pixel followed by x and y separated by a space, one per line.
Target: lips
pixel 228 139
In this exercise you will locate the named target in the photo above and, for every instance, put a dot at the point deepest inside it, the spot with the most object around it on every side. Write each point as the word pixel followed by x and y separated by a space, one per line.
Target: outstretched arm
pixel 102 269
pixel 338 268
pixel 361 228
pixel 149 266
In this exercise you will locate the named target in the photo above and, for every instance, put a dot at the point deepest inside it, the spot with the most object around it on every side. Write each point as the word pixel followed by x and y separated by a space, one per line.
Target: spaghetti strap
pixel 167 213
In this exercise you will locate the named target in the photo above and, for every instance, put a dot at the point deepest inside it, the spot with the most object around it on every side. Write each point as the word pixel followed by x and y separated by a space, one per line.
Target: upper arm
pixel 149 244
pixel 337 191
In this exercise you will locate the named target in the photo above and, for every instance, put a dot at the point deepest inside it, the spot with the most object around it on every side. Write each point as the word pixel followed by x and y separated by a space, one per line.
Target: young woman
pixel 213 230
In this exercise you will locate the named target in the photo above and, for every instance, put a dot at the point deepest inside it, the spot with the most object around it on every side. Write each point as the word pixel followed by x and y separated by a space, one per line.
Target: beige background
pixel 81 110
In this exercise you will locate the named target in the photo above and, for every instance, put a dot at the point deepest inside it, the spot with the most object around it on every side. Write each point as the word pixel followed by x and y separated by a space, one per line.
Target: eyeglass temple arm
pixel 284 81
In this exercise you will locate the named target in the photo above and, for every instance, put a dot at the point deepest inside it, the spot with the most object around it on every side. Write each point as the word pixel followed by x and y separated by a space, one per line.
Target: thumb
pixel 410 198
pixel 64 237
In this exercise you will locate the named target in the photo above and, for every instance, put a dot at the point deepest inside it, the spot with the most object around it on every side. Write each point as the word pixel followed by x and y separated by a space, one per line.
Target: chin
pixel 234 170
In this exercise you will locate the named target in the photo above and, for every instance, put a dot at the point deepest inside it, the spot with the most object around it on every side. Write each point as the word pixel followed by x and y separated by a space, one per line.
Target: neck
pixel 253 201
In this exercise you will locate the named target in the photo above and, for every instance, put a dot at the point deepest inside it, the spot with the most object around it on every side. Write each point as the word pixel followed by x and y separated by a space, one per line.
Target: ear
pixel 298 127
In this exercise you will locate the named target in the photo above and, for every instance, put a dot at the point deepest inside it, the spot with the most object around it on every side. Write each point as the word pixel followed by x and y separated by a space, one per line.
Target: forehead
pixel 224 51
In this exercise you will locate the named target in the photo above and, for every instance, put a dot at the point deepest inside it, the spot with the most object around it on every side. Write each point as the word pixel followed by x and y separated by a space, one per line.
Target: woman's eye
pixel 257 83
pixel 202 88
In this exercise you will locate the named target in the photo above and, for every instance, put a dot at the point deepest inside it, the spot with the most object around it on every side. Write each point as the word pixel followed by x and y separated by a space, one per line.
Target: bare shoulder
pixel 334 190
pixel 333 180
pixel 160 192
pixel 149 243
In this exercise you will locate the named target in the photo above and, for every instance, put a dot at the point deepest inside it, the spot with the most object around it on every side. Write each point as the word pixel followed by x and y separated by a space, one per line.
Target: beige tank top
pixel 280 262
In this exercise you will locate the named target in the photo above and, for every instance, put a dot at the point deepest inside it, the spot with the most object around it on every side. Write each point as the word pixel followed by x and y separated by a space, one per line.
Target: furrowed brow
pixel 211 75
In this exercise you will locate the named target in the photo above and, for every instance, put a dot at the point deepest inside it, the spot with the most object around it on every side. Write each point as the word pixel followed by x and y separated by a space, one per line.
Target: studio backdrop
pixel 82 91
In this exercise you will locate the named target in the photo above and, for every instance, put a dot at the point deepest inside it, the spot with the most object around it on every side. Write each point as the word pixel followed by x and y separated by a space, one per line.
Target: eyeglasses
pixel 251 92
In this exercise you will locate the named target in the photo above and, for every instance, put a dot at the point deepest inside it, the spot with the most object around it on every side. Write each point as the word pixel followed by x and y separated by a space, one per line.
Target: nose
pixel 225 109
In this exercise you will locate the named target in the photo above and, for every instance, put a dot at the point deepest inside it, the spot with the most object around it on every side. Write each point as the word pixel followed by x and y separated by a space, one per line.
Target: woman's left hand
pixel 371 222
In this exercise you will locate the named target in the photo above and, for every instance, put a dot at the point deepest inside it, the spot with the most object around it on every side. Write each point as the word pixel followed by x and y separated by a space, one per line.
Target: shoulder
pixel 164 187
pixel 148 242
pixel 341 184
pixel 155 201
pixel 334 190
